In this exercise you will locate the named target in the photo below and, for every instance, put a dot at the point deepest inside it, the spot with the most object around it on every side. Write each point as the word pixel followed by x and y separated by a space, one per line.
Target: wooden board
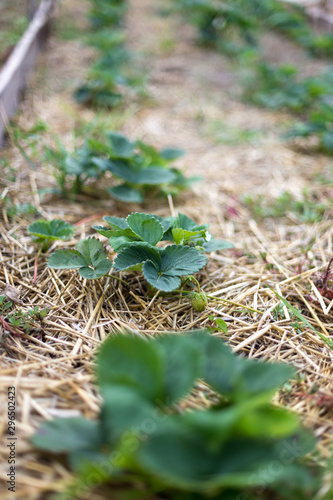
pixel 14 74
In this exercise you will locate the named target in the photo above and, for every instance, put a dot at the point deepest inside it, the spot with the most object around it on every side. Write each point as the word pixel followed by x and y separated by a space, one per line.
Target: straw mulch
pixel 189 100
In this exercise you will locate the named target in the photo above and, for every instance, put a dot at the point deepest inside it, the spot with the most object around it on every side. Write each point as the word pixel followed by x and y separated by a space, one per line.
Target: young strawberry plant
pixel 135 239
pixel 45 232
pixel 319 125
pixel 279 88
pixel 232 26
pixel 142 169
pixel 227 450
pixel 19 322
pixel 72 171
pixel 116 68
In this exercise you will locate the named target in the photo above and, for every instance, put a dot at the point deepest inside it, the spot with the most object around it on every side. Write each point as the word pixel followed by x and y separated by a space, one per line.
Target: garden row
pixel 241 445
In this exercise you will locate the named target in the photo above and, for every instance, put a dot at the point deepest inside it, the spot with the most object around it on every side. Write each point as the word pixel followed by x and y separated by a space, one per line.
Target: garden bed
pixel 192 103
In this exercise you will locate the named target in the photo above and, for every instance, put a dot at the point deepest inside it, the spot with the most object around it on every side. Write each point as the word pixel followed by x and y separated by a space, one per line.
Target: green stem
pixel 223 300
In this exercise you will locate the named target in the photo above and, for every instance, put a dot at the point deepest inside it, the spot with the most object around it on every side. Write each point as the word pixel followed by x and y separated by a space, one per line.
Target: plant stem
pixel 223 300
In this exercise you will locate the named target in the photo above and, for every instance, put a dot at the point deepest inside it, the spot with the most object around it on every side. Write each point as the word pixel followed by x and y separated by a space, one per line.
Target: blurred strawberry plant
pixel 227 449
pixel 141 167
pixel 233 26
pixel 279 88
pixel 309 209
pixel 319 124
pixel 116 67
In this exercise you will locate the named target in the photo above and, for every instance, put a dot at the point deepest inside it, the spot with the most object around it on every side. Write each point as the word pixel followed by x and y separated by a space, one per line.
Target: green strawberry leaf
pixel 132 362
pixel 154 176
pixel 104 231
pixel 121 147
pixel 119 401
pixel 181 261
pixel 51 230
pixel 122 239
pixel 116 222
pixel 90 258
pixel 176 261
pixel 178 351
pixel 126 193
pixel 215 244
pixel 158 280
pixel 171 154
pixel 66 258
pixel 68 435
pixel 146 227
pixel 137 253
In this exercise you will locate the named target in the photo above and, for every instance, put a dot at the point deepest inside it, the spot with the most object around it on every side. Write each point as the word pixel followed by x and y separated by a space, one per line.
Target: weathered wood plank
pixel 14 74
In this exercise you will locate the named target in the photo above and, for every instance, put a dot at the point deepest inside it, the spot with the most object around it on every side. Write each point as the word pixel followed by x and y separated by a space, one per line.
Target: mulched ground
pixel 193 102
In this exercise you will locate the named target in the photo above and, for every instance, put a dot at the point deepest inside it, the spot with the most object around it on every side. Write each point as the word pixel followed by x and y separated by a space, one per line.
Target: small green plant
pixel 280 88
pixel 141 167
pixel 217 325
pixel 233 26
pixel 73 170
pixel 45 232
pixel 308 210
pixel 225 450
pixel 319 125
pixel 135 239
pixel 116 68
pixel 20 322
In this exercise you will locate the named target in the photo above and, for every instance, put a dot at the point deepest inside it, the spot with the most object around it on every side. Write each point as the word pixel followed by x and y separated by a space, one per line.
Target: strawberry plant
pixel 116 67
pixel 73 170
pixel 225 450
pixel 142 168
pixel 135 239
pixel 309 209
pixel 152 229
pixel 278 87
pixel 45 232
pixel 319 125
pixel 233 26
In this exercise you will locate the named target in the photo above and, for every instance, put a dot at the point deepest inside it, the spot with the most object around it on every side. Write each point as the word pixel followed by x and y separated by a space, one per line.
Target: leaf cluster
pixel 280 88
pixel 226 449
pixel 45 232
pixel 319 124
pixel 309 209
pixel 141 167
pixel 135 239
pixel 233 26
pixel 115 68
pixel 19 321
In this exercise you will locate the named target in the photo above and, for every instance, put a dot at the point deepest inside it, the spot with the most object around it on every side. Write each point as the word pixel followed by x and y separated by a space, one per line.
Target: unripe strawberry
pixel 199 301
